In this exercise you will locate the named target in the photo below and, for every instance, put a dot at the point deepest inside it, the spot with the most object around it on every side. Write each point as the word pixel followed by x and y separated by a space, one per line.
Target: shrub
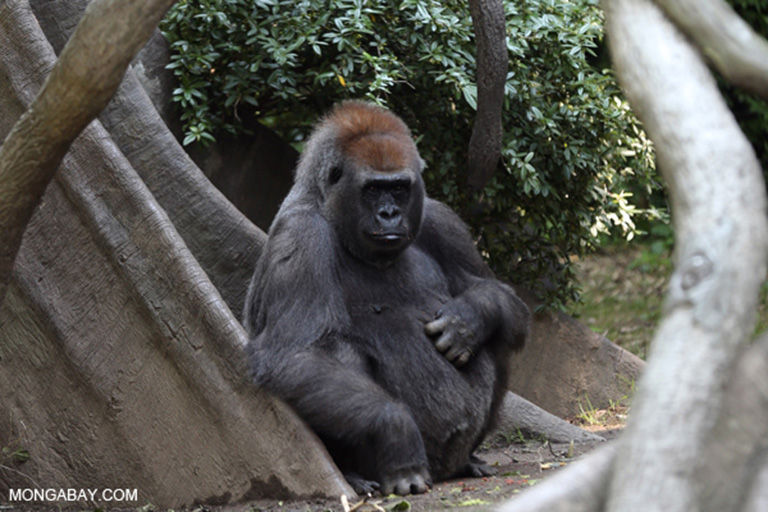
pixel 571 143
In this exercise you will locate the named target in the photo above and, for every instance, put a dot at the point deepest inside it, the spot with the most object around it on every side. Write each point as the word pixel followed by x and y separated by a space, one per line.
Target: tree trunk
pixel 120 364
pixel 718 201
pixel 82 82
pixel 563 364
pixel 727 41
pixel 488 21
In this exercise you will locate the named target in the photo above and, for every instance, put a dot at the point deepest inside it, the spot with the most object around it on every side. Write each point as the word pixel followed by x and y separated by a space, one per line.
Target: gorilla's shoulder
pixel 299 236
pixel 442 223
pixel 448 239
pixel 295 220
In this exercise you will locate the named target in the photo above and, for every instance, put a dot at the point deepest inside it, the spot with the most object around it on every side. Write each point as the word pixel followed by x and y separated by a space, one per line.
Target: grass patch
pixel 591 418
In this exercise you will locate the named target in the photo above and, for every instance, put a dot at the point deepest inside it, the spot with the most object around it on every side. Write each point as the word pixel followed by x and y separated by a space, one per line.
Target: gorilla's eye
pixel 335 175
pixel 400 190
pixel 370 192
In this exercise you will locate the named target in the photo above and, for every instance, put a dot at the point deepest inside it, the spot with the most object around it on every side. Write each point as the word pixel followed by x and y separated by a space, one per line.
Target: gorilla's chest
pixel 389 309
pixel 414 286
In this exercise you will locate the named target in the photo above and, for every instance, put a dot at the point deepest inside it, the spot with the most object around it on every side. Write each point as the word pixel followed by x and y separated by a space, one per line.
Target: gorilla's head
pixel 366 170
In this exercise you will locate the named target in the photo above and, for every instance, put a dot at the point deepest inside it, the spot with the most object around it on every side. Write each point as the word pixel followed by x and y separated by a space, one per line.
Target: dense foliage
pixel 570 140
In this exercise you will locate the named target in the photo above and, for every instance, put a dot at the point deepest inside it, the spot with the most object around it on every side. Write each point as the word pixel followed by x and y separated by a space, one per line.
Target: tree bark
pixel 79 86
pixel 563 364
pixel 718 205
pixel 517 413
pixel 738 440
pixel 488 20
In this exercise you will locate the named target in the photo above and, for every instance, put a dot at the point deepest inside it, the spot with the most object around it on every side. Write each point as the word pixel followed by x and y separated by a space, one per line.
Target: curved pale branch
pixel 578 488
pixel 736 50
pixel 687 399
pixel 718 205
pixel 81 83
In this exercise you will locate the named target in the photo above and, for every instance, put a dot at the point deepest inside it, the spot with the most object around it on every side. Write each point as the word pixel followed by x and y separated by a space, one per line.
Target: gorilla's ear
pixel 335 174
pixel 420 165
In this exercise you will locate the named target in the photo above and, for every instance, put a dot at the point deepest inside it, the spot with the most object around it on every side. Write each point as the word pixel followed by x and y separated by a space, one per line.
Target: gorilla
pixel 373 315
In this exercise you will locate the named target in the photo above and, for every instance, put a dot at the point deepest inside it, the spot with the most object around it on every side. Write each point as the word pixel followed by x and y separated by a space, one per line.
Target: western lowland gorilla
pixel 373 315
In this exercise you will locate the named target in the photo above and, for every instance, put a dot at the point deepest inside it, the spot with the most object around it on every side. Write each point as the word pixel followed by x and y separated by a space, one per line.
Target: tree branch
pixel 697 399
pixel 489 24
pixel 739 439
pixel 81 83
pixel 718 203
pixel 730 44
pixel 581 487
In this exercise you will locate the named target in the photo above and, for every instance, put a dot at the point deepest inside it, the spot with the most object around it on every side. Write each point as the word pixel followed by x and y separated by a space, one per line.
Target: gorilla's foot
pixel 406 481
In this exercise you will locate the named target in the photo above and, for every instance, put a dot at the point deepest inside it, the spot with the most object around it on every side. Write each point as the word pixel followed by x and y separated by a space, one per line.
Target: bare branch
pixel 736 50
pixel 697 401
pixel 718 202
pixel 518 413
pixel 81 83
pixel 492 63
pixel 739 439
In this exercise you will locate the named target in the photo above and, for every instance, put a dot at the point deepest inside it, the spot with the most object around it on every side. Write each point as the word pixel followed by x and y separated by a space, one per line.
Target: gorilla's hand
pixel 458 331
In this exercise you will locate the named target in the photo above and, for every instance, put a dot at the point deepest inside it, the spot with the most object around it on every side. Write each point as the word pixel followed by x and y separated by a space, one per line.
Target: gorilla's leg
pixel 358 419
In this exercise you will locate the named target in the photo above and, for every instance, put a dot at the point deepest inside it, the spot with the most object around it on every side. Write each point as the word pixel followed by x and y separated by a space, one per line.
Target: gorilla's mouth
pixel 387 237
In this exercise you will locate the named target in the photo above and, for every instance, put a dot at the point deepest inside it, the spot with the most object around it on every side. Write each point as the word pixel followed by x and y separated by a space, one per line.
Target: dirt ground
pixel 623 291
pixel 520 464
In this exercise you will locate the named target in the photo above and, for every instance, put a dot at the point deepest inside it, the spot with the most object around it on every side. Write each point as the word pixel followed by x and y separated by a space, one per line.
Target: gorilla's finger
pixel 463 358
pixel 453 354
pixel 459 355
pixel 436 327
pixel 445 342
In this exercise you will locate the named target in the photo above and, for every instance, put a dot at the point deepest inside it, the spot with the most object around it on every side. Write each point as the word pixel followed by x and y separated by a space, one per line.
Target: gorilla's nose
pixel 389 216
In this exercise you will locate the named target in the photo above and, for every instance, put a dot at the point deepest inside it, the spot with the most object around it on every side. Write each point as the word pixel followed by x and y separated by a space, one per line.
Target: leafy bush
pixel 570 144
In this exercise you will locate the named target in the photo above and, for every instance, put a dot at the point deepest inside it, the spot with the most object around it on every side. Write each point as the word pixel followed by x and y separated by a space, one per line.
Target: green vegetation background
pixel 576 169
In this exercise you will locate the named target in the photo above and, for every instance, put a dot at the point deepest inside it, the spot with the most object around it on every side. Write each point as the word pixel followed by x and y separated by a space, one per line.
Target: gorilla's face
pixel 377 215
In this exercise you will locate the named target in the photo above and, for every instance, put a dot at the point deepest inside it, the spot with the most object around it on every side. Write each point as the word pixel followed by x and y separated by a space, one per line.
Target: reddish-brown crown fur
pixel 373 136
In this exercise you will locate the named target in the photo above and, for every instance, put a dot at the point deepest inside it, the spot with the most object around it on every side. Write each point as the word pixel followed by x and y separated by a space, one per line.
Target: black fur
pixel 373 315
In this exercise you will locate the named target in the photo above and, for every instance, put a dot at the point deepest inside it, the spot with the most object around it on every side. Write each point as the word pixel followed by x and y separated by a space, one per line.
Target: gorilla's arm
pixel 482 307
pixel 295 297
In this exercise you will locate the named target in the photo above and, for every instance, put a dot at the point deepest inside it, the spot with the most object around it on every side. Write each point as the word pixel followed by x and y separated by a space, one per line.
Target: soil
pixel 623 291
pixel 520 464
